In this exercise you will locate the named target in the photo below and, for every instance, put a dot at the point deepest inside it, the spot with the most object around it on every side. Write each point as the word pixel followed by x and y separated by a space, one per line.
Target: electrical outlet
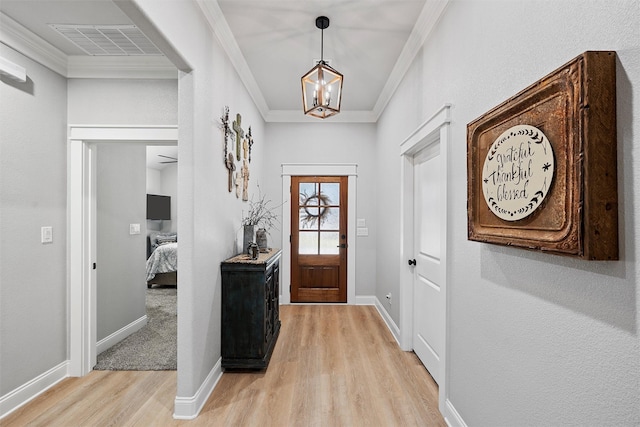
pixel 388 296
pixel 46 234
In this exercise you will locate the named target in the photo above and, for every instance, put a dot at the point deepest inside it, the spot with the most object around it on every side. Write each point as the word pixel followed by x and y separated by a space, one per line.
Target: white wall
pixel 535 339
pixel 123 101
pixel 164 182
pixel 33 193
pixel 154 181
pixel 169 177
pixel 209 215
pixel 326 142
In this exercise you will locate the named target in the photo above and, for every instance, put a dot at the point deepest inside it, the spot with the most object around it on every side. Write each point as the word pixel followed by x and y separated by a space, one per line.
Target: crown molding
pixel 119 67
pixel 427 20
pixel 297 116
pixel 219 26
pixel 34 47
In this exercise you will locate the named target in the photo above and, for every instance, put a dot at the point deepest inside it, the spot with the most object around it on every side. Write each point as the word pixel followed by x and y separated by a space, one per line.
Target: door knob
pixel 412 262
pixel 342 246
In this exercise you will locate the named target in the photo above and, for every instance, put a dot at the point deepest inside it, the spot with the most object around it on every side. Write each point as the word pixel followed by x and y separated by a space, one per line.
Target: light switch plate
pixel 46 234
pixel 134 229
pixel 362 231
pixel 362 222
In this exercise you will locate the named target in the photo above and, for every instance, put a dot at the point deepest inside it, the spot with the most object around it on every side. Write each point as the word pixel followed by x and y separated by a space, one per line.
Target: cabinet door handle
pixel 412 262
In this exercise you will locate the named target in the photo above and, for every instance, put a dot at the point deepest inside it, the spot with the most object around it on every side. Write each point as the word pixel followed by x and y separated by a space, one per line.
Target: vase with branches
pixel 260 216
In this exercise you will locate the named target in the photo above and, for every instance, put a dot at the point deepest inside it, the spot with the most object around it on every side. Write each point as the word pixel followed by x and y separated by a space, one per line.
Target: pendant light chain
pixel 322 45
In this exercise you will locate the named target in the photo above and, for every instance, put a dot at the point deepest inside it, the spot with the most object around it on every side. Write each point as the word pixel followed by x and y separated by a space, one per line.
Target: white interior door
pixel 429 304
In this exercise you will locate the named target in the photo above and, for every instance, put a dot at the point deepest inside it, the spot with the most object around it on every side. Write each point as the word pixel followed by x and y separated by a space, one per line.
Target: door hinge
pixel 289 238
pixel 94 265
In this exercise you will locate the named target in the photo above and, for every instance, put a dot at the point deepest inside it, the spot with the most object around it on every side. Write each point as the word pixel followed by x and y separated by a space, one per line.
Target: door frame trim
pixel 435 130
pixel 319 169
pixel 81 231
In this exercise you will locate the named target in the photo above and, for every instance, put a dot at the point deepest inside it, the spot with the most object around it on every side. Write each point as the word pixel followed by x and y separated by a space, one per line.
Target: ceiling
pixel 272 43
pixel 161 156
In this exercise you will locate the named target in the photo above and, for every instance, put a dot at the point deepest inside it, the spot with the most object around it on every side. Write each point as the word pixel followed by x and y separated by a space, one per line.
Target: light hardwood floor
pixel 332 366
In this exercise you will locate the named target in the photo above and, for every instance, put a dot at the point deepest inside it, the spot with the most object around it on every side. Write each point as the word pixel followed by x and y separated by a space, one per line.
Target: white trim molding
pixel 32 46
pixel 121 334
pixel 81 229
pixel 366 300
pixel 388 320
pixel 320 169
pixel 427 21
pixel 32 389
pixel 41 51
pixel 452 416
pixel 188 408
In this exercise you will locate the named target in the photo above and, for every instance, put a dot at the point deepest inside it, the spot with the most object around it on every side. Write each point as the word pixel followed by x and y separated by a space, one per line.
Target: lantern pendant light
pixel 322 85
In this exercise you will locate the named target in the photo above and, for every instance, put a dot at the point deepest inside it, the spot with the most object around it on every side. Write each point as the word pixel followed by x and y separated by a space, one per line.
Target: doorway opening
pixel 349 172
pixel 82 229
pixel 319 243
pixel 423 276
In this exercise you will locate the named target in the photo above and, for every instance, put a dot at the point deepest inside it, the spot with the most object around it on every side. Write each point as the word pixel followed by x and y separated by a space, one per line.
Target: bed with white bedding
pixel 162 264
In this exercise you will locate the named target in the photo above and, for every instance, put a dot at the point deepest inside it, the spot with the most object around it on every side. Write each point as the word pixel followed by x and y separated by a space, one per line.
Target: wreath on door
pixel 315 209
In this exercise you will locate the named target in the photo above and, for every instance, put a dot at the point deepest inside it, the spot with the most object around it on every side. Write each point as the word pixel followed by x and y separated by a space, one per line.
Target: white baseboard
pixel 120 334
pixel 365 300
pixel 451 416
pixel 28 391
pixel 188 408
pixel 395 331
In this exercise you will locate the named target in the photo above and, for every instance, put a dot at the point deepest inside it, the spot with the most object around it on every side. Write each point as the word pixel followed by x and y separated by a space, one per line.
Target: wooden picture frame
pixel 574 107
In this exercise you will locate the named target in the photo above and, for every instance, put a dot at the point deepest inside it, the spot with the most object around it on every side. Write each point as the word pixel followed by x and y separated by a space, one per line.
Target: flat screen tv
pixel 158 207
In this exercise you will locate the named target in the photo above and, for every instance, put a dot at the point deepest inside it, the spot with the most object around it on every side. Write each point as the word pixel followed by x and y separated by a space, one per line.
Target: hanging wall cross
pixel 225 127
pixel 250 140
pixel 239 133
pixel 231 166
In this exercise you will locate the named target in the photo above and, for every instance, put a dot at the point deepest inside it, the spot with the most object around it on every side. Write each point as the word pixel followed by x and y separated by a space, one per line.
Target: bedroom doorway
pixel 136 240
pixel 82 230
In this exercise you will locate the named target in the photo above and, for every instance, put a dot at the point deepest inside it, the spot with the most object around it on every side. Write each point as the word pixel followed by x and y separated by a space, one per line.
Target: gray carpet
pixel 152 348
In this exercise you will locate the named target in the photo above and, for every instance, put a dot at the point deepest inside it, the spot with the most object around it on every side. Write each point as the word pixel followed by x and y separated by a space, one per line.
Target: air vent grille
pixel 108 40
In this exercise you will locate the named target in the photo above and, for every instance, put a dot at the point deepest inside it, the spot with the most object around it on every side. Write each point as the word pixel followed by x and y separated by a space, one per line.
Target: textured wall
pixel 535 339
pixel 33 193
pixel 123 101
pixel 209 216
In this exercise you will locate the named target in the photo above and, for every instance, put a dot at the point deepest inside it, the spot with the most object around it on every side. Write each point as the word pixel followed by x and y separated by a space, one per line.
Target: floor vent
pixel 108 40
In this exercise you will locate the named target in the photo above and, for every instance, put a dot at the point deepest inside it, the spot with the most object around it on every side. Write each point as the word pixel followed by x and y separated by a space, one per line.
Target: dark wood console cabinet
pixel 250 310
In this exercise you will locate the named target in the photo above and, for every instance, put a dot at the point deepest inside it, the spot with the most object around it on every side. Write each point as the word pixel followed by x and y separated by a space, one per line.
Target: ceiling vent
pixel 108 40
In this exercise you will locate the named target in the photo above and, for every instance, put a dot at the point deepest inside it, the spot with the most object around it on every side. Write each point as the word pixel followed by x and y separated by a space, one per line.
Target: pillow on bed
pixel 161 239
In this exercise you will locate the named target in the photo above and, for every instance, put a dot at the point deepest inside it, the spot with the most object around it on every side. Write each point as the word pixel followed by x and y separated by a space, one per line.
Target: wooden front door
pixel 319 239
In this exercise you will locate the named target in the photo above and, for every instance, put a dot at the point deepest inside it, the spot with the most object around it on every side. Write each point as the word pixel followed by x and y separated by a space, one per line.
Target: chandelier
pixel 322 85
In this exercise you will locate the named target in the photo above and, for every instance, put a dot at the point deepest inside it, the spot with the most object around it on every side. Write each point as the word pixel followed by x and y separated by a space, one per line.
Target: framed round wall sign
pixel 517 172
pixel 542 165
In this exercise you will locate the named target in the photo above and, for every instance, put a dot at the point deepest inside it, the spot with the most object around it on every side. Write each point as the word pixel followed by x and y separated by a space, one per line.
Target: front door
pixel 429 275
pixel 319 239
